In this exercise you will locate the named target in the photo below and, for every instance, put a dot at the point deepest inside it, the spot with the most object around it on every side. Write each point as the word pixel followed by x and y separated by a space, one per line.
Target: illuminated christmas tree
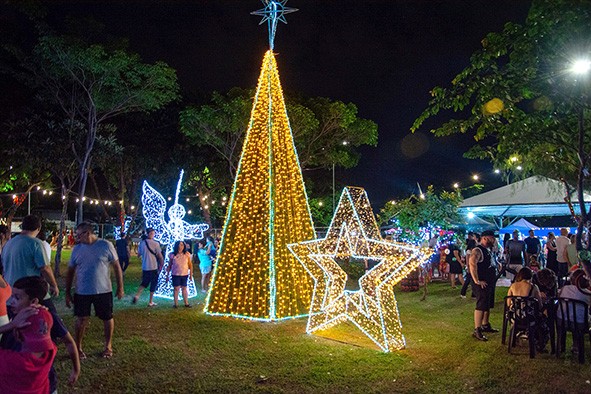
pixel 255 275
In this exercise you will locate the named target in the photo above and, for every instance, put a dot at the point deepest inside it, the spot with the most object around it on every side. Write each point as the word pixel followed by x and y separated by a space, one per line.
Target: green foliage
pixel 526 68
pixel 431 211
pixel 109 82
pixel 325 132
pixel 321 210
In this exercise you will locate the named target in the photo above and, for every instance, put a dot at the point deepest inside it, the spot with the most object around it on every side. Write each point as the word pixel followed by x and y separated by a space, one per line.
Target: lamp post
pixel 581 68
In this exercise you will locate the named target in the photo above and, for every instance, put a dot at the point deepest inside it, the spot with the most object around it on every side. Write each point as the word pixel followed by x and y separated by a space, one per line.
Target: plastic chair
pixel 571 316
pixel 521 314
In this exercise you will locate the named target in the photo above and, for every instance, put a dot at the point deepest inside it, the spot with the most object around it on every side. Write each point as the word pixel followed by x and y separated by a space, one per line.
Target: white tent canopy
pixel 534 196
pixel 520 225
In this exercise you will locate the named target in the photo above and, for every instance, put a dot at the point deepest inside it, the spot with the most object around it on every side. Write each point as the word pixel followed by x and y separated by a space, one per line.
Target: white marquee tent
pixel 534 196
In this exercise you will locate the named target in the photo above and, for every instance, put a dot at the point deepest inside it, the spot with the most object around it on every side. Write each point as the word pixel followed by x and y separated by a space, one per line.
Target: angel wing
pixel 153 208
pixel 194 230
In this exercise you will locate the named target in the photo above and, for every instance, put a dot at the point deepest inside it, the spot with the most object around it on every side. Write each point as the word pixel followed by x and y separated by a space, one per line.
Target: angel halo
pixel 176 229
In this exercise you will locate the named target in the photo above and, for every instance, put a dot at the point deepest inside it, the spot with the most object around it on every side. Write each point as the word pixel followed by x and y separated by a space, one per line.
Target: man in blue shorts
pixel 90 260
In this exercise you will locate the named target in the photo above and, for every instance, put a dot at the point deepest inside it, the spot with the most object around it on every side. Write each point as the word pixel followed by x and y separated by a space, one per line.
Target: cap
pixel 488 233
pixel 36 336
pixel 149 230
pixel 515 231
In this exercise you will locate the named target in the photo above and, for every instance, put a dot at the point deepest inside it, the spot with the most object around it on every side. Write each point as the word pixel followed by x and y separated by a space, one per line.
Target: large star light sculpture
pixel 353 233
pixel 176 229
pixel 274 11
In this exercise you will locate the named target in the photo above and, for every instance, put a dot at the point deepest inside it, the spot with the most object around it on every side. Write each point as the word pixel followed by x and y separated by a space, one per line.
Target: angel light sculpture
pixel 119 230
pixel 176 229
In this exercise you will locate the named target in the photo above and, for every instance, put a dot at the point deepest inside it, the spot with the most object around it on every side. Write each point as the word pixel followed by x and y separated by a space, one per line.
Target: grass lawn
pixel 182 350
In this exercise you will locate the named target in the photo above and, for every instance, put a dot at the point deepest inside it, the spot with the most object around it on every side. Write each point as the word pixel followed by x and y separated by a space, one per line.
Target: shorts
pixel 485 298
pixel 150 278
pixel 455 267
pixel 103 305
pixel 180 280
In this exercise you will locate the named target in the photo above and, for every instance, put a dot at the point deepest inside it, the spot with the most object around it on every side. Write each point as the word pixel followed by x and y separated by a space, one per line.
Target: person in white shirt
pixel 561 243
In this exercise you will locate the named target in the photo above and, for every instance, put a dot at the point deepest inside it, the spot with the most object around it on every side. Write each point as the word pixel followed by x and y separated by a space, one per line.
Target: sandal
pixel 107 354
pixel 81 355
pixel 152 304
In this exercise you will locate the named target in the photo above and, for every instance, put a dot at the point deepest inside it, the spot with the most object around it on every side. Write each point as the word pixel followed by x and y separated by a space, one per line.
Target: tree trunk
pixel 205 205
pixel 60 235
pixel 85 163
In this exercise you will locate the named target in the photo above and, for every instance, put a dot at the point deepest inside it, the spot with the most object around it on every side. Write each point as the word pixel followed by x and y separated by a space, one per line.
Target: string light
pixel 255 276
pixel 354 233
pixel 176 229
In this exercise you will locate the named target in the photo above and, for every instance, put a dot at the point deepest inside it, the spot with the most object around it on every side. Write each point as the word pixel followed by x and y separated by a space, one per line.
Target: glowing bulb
pixel 320 203
pixel 133 207
pixel 519 168
pixel 187 199
pixel 514 159
pixel 456 185
pixel 475 177
pixel 471 215
pixel 497 171
pixel 581 66
pixel 189 212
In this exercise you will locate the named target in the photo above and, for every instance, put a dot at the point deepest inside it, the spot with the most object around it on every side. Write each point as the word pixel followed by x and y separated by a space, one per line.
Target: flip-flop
pixel 152 304
pixel 107 354
pixel 81 355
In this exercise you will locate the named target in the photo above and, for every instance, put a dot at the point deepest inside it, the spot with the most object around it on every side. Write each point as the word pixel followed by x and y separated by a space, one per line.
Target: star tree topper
pixel 354 233
pixel 274 11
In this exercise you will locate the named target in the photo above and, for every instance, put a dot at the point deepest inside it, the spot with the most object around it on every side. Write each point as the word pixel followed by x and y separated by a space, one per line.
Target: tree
pixel 428 210
pixel 520 100
pixel 326 132
pixel 93 84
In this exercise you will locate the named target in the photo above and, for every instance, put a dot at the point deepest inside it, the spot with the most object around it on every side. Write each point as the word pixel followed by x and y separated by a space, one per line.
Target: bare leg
pixel 478 318
pixel 461 278
pixel 185 295
pixel 151 297
pixel 176 296
pixel 80 329
pixel 109 327
pixel 485 318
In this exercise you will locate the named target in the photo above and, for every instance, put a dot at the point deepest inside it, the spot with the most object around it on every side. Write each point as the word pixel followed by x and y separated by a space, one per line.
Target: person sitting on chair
pixel 523 287
pixel 573 290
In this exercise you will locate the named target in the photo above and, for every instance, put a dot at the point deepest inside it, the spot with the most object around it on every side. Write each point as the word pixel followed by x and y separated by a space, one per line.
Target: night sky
pixel 384 56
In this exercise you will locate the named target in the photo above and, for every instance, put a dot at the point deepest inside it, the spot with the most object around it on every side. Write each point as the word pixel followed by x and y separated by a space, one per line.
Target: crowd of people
pixel 542 270
pixel 30 327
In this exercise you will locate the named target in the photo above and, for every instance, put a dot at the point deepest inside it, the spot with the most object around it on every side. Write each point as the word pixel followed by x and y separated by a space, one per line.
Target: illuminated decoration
pixel 117 229
pixel 255 275
pixel 354 234
pixel 154 207
pixel 274 11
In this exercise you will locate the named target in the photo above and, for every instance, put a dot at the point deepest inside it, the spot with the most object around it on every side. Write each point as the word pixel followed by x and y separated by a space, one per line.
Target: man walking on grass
pixel 24 256
pixel 483 271
pixel 152 262
pixel 90 260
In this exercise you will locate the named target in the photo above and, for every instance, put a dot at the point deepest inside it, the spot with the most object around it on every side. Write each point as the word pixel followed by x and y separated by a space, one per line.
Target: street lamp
pixel 581 66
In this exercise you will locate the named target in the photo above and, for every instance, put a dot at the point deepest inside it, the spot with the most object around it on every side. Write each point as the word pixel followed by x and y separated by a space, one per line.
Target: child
pixel 181 266
pixel 205 264
pixel 533 263
pixel 27 292
pixel 27 370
